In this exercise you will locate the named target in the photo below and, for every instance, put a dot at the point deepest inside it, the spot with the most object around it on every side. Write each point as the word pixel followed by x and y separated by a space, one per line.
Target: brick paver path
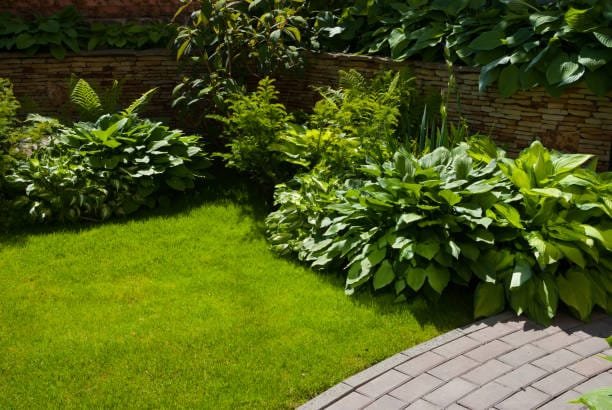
pixel 502 362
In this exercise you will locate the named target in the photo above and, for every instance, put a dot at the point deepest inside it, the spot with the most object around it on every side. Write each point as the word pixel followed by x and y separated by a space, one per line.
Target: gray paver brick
pixel 383 383
pixel 590 346
pixel 564 322
pixel 556 341
pixel 522 355
pixel 522 376
pixel 486 396
pixel 422 405
pixel 457 347
pixel 455 406
pixel 562 402
pixel 529 398
pixel 327 397
pixel 386 403
pixel 525 336
pixel 453 368
pixel 450 392
pixel 600 328
pixel 558 382
pixel 489 351
pixel 487 372
pixel 601 380
pixel 493 332
pixel 557 360
pixel 591 366
pixel 420 364
pixel 351 402
pixel 416 388
pixel 376 370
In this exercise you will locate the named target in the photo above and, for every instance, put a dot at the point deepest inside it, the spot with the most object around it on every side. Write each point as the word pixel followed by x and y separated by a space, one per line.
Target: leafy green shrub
pixel 67 31
pixel 110 167
pixel 8 106
pixel 518 44
pixel 532 231
pixel 225 40
pixel 252 126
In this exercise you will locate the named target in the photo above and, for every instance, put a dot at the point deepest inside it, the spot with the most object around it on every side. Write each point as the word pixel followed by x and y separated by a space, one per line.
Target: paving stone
pixel 420 364
pixel 522 355
pixel 422 405
pixel 416 388
pixel 522 376
pixel 557 360
pixel 493 332
pixel 529 398
pixel 376 370
pixel 591 366
pixel 489 351
pixel 455 406
pixel 487 372
pixel 450 392
pixel 562 402
pixel 351 402
pixel 386 403
pixel 327 397
pixel 601 380
pixel 558 382
pixel 457 347
pixel 602 328
pixel 486 396
pixel 556 341
pixel 564 322
pixel 433 343
pixel 590 346
pixel 383 383
pixel 526 336
pixel 453 368
pixel 490 321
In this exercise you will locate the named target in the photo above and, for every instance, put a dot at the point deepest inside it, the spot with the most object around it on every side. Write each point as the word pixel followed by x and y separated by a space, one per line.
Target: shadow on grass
pixel 223 186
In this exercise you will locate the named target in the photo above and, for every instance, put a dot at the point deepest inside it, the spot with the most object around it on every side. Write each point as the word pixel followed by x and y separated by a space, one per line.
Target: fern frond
pixel 139 103
pixel 85 98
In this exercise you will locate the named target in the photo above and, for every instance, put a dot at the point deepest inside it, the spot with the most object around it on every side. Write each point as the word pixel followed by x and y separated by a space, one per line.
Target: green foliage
pixel 252 127
pixel 531 232
pixel 97 170
pixel 134 36
pixel 8 107
pixel 599 399
pixel 225 40
pixel 518 44
pixel 66 31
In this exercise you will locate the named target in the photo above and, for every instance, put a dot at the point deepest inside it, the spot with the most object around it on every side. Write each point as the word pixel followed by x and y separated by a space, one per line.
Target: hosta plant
pixel 528 233
pixel 110 167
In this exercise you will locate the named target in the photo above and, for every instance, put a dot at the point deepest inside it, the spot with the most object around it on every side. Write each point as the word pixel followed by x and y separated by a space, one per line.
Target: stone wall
pixel 41 82
pixel 578 121
pixel 97 9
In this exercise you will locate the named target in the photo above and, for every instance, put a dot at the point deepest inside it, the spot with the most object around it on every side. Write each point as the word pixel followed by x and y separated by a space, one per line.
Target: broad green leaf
pixel 489 299
pixel 510 214
pixel 509 81
pixel 594 58
pixel 604 38
pixel 489 40
pixel 562 70
pixel 384 275
pixel 572 253
pixel 575 291
pixel 407 219
pixel 437 276
pixel 450 197
pixel 415 278
pixel 580 19
pixel 427 249
pixel 521 273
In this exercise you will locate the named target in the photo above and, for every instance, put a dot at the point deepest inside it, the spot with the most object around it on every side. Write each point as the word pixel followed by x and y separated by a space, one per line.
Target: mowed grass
pixel 189 310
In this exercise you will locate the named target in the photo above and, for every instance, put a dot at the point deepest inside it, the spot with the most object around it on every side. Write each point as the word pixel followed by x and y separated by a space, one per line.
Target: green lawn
pixel 188 309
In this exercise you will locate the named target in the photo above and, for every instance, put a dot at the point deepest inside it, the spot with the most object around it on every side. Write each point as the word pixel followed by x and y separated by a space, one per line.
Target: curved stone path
pixel 503 362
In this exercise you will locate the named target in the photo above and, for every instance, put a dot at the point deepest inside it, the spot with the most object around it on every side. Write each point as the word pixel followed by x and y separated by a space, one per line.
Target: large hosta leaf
pixel 489 299
pixel 488 40
pixel 563 71
pixel 575 291
pixel 509 80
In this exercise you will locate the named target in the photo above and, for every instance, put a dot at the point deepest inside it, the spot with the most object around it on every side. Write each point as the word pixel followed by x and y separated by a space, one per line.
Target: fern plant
pixel 91 104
